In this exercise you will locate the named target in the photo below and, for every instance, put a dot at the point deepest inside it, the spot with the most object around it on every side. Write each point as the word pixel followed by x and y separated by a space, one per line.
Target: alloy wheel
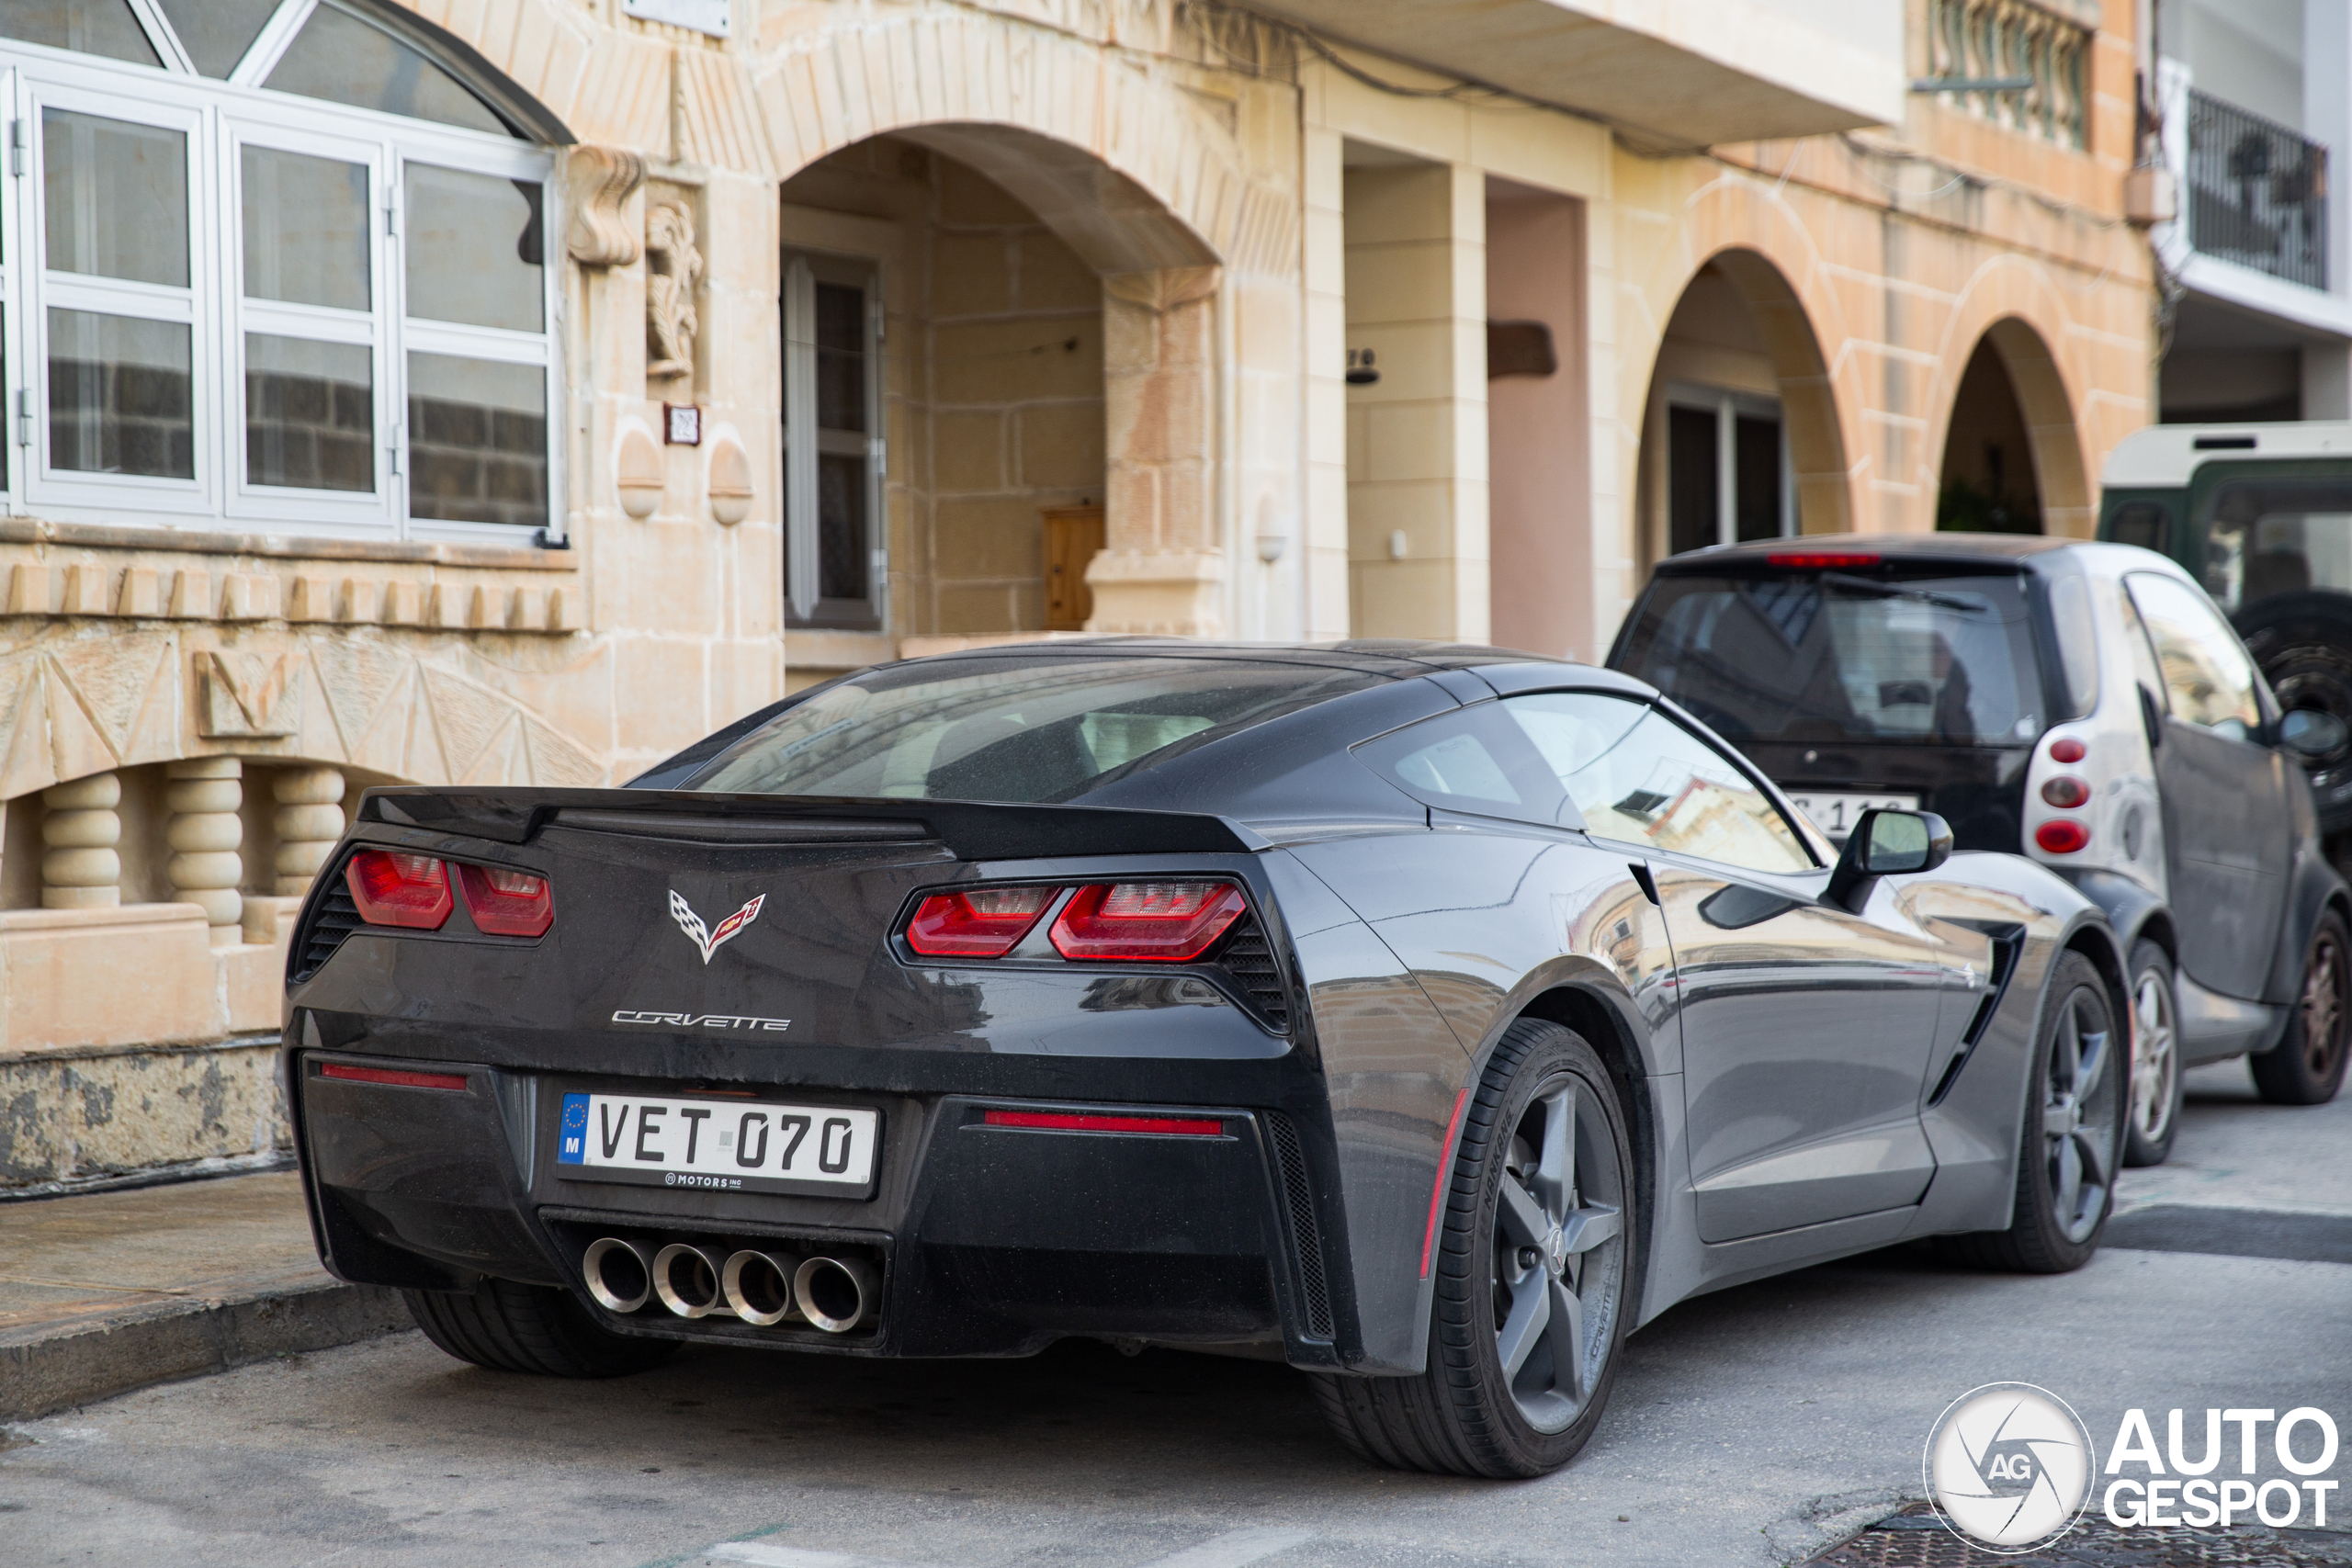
pixel 1559 1256
pixel 2078 1121
pixel 2155 1059
pixel 2323 1005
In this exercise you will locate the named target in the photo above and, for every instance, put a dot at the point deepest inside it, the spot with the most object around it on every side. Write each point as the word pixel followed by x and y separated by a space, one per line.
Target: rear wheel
pixel 2073 1134
pixel 2155 1058
pixel 2304 642
pixel 2307 1067
pixel 1534 1262
pixel 530 1329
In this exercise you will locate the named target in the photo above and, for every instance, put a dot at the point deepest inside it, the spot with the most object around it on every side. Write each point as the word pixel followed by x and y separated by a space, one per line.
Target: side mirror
pixel 1887 843
pixel 2311 734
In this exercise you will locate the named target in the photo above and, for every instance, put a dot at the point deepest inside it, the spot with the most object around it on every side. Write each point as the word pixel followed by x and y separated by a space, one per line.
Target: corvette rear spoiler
pixel 972 830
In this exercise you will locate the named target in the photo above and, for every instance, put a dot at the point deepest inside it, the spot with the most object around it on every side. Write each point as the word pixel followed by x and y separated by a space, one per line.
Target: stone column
pixel 205 834
pixel 1162 568
pixel 309 819
pixel 79 867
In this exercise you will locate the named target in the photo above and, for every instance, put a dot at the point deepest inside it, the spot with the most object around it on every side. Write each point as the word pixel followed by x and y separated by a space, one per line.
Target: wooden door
pixel 1073 535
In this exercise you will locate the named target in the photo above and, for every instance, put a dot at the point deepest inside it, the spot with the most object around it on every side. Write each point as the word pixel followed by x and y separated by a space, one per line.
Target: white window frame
pixel 803 270
pixel 219 117
pixel 1727 406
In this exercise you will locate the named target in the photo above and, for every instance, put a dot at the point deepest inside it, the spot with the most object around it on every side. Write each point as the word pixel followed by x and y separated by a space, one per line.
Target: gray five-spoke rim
pixel 2155 1065
pixel 1559 1253
pixel 2077 1116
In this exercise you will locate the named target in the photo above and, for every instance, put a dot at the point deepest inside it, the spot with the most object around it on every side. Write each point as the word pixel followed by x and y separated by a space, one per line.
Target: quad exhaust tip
pixel 762 1289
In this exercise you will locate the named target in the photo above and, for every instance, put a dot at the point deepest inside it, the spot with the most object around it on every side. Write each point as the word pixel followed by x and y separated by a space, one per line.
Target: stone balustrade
pixel 308 821
pixel 205 833
pixel 79 866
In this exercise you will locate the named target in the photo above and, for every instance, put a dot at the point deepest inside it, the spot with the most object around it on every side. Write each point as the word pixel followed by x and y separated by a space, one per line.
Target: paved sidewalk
pixel 2236 1152
pixel 109 1291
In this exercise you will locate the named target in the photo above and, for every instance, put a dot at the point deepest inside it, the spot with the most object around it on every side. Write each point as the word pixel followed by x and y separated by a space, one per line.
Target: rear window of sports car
pixel 1038 731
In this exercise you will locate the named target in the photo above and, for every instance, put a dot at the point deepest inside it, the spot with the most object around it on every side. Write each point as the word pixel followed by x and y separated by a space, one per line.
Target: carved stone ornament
pixel 247 696
pixel 1163 291
pixel 602 179
pixel 673 268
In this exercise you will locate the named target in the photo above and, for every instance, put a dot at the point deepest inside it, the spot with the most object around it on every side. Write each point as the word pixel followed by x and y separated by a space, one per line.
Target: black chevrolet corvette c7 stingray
pixel 1428 1017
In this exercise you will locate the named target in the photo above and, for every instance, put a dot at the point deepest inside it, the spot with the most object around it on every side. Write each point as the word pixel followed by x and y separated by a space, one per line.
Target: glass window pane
pixel 474 249
pixel 477 441
pixel 841 526
pixel 87 26
pixel 306 228
pixel 309 413
pixel 1639 777
pixel 345 61
pixel 1756 453
pixel 2207 672
pixel 216 33
pixel 115 196
pixel 840 357
pixel 1692 501
pixel 118 398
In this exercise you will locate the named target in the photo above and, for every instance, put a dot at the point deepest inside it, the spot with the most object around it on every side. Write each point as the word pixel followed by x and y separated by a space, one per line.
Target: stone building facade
pixel 511 391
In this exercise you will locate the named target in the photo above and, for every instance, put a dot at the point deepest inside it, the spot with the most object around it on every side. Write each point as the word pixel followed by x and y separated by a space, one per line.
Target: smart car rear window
pixel 1808 655
pixel 1008 729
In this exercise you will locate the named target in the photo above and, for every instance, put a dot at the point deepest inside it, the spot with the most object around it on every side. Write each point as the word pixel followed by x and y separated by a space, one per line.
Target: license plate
pixel 724 1145
pixel 1835 813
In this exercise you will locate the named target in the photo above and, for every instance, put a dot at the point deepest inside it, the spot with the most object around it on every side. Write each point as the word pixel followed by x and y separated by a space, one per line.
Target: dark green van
pixel 2262 515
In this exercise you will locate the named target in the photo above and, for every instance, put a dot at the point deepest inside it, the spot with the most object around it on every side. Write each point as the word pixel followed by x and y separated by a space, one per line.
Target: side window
pixel 1473 760
pixel 2139 650
pixel 2141 523
pixel 1638 776
pixel 2207 675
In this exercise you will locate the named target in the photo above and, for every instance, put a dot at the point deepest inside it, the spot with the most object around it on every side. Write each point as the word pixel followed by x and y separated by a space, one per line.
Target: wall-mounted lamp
pixel 1359 368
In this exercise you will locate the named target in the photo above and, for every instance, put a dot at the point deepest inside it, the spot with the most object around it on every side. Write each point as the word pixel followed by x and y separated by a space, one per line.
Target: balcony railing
pixel 1977 40
pixel 2257 192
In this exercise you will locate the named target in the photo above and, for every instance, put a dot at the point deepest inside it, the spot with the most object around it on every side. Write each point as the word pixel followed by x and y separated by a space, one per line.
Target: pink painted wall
pixel 1538 432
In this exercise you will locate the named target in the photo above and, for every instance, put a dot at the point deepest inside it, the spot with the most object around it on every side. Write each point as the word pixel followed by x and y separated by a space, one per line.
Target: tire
pixel 2154 1114
pixel 2075 1113
pixel 537 1329
pixel 2307 1067
pixel 1545 1155
pixel 2304 642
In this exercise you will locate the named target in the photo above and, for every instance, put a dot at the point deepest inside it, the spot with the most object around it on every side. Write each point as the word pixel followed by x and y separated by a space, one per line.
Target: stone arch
pixel 1739 226
pixel 2013 306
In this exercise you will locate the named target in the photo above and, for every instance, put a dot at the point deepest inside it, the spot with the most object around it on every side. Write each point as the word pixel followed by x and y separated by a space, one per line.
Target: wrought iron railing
pixel 1985 41
pixel 2257 192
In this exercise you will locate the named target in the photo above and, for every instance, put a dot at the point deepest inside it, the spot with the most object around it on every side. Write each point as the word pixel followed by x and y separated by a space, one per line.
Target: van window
pixel 2270 537
pixel 2141 523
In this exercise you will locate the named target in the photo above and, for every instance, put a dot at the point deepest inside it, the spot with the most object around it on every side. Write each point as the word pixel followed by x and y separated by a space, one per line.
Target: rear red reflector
pixel 392 1076
pixel 1819 559
pixel 394 889
pixel 1058 1122
pixel 987 922
pixel 1167 922
pixel 2063 836
pixel 506 903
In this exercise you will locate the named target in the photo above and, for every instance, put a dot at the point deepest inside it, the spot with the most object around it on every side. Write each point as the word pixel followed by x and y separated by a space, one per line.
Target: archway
pixel 2012 458
pixel 1740 438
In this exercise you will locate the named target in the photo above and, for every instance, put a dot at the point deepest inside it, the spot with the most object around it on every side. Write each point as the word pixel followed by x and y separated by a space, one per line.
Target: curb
pixel 55 1367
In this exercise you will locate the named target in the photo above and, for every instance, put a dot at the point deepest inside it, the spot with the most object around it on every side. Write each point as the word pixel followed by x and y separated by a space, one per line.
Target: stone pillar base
pixel 1159 593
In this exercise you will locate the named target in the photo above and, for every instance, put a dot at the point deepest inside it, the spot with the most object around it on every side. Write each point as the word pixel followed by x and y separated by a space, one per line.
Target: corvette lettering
pixel 703 1021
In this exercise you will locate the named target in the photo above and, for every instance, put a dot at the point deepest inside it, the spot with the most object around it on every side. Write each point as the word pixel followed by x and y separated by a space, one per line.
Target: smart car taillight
pixel 394 889
pixel 503 902
pixel 1167 922
pixel 2065 791
pixel 986 922
pixel 2063 836
pixel 2067 749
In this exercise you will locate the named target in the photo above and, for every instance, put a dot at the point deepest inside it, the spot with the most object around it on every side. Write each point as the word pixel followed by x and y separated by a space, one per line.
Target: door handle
pixel 2148 719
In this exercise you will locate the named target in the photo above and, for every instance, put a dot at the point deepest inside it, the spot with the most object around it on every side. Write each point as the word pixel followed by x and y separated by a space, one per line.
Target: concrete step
pixel 104 1293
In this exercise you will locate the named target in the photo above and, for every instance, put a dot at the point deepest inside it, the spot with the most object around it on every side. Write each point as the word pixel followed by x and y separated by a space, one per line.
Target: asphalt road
pixel 1749 1427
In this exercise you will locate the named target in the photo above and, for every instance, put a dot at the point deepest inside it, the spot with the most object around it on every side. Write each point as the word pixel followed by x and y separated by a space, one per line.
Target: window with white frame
pixel 270 262
pixel 1726 468
pixel 833 451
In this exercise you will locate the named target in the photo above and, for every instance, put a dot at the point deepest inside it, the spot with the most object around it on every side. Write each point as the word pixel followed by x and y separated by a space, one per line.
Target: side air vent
pixel 1299 1198
pixel 333 918
pixel 1250 962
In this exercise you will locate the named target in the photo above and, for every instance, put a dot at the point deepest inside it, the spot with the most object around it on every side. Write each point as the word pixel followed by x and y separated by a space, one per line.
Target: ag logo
pixel 701 936
pixel 2008 1467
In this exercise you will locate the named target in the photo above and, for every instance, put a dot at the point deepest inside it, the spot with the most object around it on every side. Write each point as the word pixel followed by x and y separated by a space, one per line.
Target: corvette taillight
pixel 987 922
pixel 394 889
pixel 1166 922
pixel 506 903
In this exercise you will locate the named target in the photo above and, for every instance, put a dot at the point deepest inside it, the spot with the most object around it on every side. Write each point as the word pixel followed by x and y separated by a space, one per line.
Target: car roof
pixel 2165 457
pixel 1972 548
pixel 1400 657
